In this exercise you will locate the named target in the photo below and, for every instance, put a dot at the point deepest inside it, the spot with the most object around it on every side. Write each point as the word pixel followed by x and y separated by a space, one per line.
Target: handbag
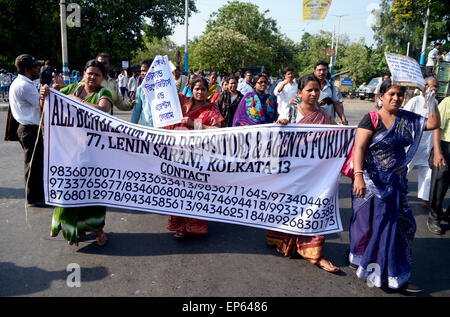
pixel 347 168
pixel 11 127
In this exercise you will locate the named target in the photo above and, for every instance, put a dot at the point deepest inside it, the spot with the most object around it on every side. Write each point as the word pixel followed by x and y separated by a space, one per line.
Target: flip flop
pixel 329 268
pixel 180 234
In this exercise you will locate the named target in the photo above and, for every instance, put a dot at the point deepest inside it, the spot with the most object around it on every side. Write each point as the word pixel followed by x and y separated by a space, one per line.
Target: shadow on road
pixel 28 280
pixel 15 193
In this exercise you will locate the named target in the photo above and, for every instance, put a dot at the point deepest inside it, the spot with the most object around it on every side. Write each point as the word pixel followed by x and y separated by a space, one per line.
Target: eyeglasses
pixel 262 82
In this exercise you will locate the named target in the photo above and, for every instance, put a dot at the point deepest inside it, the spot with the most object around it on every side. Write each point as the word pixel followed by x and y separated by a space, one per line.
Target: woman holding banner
pixel 382 225
pixel 198 114
pixel 256 107
pixel 74 222
pixel 303 109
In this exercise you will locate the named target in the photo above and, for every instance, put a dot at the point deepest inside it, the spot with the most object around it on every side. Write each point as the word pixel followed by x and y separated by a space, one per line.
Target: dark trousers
pixel 439 184
pixel 33 168
pixel 429 71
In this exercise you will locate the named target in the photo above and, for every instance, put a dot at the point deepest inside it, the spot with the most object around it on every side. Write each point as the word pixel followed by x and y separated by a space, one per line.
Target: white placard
pixel 283 178
pixel 159 87
pixel 405 71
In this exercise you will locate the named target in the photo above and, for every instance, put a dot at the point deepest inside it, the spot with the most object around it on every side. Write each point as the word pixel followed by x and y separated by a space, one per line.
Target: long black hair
pixel 305 79
pixel 95 63
pixel 199 79
pixel 387 84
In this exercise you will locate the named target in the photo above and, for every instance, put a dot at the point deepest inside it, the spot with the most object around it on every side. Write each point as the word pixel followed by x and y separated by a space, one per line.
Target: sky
pixel 355 22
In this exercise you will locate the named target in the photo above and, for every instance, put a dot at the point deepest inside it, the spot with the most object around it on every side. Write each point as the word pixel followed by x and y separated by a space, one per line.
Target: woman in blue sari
pixel 382 224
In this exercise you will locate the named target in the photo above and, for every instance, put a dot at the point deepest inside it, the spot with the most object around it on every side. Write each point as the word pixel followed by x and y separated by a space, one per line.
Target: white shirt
pixel 289 91
pixel 432 57
pixel 123 80
pixel 416 105
pixel 244 88
pixel 326 92
pixel 24 101
pixel 132 84
pixel 447 57
pixel 377 92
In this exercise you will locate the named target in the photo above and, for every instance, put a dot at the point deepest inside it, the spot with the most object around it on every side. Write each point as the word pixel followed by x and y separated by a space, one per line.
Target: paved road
pixel 143 259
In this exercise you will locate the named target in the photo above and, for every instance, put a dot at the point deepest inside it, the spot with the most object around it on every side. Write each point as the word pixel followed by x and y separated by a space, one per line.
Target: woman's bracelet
pixel 360 172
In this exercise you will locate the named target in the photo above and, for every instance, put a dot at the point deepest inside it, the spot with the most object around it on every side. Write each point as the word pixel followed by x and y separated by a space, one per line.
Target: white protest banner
pixel 159 87
pixel 283 178
pixel 405 71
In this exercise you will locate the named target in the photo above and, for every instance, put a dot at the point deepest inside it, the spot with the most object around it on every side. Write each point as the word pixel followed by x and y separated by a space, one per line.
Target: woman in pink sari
pixel 198 113
pixel 303 109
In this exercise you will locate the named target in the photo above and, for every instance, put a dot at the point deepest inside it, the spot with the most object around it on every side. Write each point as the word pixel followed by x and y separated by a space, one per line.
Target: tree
pixel 155 47
pixel 113 26
pixel 271 49
pixel 223 49
pixel 356 60
pixel 402 21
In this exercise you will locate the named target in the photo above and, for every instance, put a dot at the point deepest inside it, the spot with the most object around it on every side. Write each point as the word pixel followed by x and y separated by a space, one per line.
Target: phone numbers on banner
pixel 143 189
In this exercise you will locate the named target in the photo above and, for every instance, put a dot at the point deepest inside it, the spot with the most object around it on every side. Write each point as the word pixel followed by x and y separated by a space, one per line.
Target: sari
pixel 382 225
pixel 308 247
pixel 227 107
pixel 212 89
pixel 74 222
pixel 255 110
pixel 210 115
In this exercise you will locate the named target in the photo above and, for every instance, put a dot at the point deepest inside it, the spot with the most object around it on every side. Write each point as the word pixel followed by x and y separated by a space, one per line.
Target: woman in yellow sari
pixel 303 109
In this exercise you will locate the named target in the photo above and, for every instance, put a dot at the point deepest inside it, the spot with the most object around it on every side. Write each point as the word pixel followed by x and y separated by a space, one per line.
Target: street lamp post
pixel 186 46
pixel 425 35
pixel 65 59
pixel 73 20
pixel 337 38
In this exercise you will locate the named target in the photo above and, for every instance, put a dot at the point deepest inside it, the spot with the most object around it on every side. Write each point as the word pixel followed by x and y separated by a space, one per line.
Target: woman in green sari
pixel 74 222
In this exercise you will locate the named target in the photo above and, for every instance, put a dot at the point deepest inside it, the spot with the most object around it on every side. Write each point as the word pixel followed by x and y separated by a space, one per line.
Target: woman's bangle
pixel 359 171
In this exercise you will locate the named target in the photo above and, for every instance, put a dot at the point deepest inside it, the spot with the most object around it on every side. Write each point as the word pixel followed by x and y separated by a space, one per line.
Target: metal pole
pixel 332 44
pixel 186 46
pixel 425 36
pixel 407 49
pixel 337 39
pixel 65 59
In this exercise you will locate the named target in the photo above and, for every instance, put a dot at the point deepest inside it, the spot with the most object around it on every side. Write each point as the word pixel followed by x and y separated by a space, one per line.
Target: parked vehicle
pixel 367 92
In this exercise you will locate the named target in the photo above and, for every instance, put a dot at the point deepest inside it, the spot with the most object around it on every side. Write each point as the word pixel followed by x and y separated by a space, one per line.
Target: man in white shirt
pixel 378 102
pixel 420 159
pixel 245 86
pixel 24 103
pixel 433 55
pixel 132 84
pixel 328 99
pixel 123 83
pixel 285 91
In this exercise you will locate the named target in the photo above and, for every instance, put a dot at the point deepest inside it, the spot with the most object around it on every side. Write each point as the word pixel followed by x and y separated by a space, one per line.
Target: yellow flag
pixel 315 9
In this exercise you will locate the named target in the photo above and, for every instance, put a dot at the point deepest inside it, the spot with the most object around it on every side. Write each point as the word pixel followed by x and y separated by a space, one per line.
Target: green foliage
pixel 403 21
pixel 155 47
pixel 256 38
pixel 223 49
pixel 112 26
